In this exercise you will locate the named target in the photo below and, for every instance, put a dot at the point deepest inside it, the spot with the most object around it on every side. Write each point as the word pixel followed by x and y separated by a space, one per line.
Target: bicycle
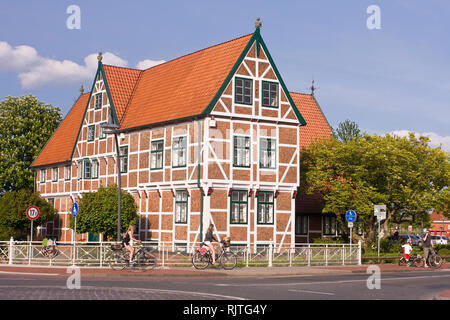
pixel 435 260
pixel 202 258
pixel 415 260
pixel 144 260
pixel 50 251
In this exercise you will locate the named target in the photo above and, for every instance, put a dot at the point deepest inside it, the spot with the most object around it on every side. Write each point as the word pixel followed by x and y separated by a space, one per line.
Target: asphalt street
pixel 398 285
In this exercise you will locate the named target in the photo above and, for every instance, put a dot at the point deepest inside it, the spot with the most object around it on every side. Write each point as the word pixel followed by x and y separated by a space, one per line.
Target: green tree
pixel 25 126
pixel 405 174
pixel 98 212
pixel 13 218
pixel 347 131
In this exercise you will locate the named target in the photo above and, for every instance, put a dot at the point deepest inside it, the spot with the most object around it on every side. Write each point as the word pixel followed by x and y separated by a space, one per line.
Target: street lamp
pixel 111 128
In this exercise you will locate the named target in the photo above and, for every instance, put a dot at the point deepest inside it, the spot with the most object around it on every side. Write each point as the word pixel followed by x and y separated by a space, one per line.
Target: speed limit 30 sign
pixel 33 212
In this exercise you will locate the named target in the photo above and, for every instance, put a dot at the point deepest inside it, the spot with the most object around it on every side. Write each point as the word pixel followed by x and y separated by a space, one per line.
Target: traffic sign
pixel 350 224
pixel 350 215
pixel 379 209
pixel 75 209
pixel 32 212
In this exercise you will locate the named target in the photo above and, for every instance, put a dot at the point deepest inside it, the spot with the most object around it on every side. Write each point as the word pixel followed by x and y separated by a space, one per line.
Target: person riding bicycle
pixel 209 237
pixel 427 247
pixel 126 241
pixel 407 251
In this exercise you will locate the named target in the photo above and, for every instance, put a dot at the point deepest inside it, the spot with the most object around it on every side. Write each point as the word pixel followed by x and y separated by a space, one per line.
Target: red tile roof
pixel 317 126
pixel 121 83
pixel 177 89
pixel 182 87
pixel 60 145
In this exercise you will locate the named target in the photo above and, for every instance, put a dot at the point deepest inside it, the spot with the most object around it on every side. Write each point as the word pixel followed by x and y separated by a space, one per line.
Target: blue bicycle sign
pixel 350 215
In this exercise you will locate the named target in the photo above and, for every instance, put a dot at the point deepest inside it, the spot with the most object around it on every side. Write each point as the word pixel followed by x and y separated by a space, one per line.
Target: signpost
pixel 380 213
pixel 350 216
pixel 32 214
pixel 74 213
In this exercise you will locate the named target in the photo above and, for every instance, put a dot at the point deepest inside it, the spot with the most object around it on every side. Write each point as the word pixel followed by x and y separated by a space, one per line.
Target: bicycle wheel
pixel 418 262
pixel 436 261
pixel 117 260
pixel 51 254
pixel 145 261
pixel 402 261
pixel 229 260
pixel 200 261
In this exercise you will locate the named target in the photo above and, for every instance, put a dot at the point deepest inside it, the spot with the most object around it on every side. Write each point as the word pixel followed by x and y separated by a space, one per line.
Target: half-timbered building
pixel 210 137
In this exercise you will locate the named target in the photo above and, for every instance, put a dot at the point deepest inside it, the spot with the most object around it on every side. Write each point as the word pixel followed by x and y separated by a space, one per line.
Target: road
pixel 397 285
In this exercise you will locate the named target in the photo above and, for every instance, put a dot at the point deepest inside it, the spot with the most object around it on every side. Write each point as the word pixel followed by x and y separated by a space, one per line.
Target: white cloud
pixel 435 139
pixel 18 58
pixel 145 64
pixel 35 71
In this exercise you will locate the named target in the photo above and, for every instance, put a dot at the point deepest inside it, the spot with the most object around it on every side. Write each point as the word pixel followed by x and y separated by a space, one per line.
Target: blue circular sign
pixel 75 209
pixel 350 215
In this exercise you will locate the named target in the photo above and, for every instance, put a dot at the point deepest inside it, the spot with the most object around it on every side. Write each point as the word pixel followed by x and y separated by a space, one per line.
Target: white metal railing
pixel 96 254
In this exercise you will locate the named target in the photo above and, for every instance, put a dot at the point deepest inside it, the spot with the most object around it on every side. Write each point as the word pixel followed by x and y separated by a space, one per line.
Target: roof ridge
pixel 191 53
pixel 305 94
pixel 110 65
pixel 131 96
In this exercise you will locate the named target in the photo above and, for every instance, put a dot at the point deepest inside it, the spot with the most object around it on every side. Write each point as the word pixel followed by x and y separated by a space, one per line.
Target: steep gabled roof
pixel 182 87
pixel 60 145
pixel 121 83
pixel 317 126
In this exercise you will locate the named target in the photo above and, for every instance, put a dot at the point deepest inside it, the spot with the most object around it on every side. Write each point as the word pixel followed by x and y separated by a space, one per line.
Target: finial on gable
pixel 81 89
pixel 99 57
pixel 258 24
pixel 313 88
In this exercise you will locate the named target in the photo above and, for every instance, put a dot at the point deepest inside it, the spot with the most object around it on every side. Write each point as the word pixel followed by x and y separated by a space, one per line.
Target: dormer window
pixel 243 90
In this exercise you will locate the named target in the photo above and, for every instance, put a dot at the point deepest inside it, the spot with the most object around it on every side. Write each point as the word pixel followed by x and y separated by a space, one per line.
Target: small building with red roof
pixel 440 224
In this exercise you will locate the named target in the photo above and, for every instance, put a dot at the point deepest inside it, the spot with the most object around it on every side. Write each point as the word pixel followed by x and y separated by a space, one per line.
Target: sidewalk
pixel 213 272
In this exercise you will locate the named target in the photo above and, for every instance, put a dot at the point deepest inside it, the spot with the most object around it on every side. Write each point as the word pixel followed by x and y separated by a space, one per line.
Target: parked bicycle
pixel 144 260
pixel 50 251
pixel 415 260
pixel 202 258
pixel 435 260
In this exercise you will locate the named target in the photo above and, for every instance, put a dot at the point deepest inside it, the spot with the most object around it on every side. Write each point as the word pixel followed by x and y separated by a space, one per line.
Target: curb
pixel 191 272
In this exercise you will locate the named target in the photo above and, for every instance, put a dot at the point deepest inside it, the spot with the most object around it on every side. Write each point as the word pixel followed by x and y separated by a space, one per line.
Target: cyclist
pixel 427 247
pixel 209 237
pixel 407 251
pixel 126 241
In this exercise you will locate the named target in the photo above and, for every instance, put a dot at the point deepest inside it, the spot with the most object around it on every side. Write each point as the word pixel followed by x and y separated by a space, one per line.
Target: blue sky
pixel 396 78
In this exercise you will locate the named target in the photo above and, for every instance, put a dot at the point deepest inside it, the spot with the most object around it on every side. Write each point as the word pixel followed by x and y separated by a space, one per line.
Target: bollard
pixel 359 252
pixel 247 253
pixel 11 250
pixel 270 254
pixel 309 255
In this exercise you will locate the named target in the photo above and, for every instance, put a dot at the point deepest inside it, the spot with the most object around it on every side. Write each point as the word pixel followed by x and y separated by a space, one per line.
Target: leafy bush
pixel 98 212
pixel 13 218
pixel 439 247
pixel 328 240
pixel 443 252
